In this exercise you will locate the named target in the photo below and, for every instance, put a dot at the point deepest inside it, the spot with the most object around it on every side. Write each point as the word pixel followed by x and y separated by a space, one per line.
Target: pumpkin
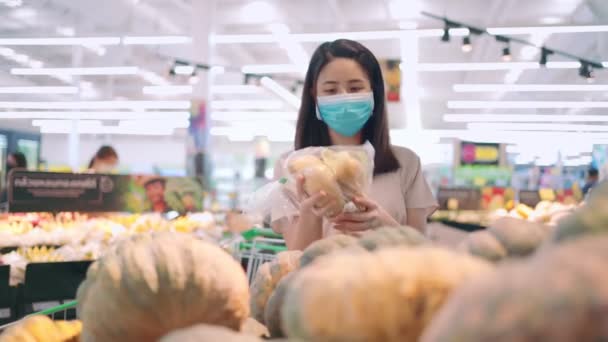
pixel 325 246
pixel 484 245
pixel 391 236
pixel 560 295
pixel 149 285
pixel 254 328
pixel 389 295
pixel 272 314
pixel 592 218
pixel 266 279
pixel 520 238
pixel 203 332
pixel 39 328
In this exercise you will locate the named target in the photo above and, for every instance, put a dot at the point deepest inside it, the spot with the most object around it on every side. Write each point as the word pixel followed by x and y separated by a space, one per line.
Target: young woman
pixel 105 160
pixel 343 103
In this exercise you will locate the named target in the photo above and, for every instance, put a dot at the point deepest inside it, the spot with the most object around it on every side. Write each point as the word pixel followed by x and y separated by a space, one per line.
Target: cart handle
pixel 255 232
pixel 57 308
pixel 263 246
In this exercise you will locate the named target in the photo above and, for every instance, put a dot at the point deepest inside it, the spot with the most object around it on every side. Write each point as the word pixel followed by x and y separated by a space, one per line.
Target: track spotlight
pixel 506 54
pixel 586 71
pixel 544 54
pixel 466 44
pixel 446 33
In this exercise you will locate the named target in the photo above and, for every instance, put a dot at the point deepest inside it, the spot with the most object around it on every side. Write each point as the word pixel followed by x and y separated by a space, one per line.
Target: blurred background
pixel 211 88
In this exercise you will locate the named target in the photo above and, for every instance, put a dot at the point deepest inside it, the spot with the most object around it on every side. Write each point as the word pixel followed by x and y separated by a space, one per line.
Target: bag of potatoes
pixel 341 172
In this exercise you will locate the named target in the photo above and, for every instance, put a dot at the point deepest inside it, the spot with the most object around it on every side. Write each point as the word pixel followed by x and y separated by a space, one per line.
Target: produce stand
pixel 260 246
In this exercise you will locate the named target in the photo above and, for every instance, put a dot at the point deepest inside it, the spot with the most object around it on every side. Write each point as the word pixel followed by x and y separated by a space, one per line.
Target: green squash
pixel 484 245
pixel 590 219
pixel 559 295
pixel 203 332
pixel 325 246
pixel 390 237
pixel 272 315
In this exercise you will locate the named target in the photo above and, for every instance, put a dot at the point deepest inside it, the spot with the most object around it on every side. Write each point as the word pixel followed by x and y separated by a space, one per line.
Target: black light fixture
pixel 586 71
pixel 466 44
pixel 506 51
pixel 544 56
pixel 446 33
pixel 506 54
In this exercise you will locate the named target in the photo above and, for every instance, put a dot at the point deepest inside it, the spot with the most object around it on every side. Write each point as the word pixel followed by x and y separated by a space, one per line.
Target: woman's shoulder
pixel 404 155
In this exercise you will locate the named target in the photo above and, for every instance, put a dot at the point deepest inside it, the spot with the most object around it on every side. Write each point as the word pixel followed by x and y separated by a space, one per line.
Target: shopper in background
pixel 104 161
pixel 593 177
pixel 14 161
pixel 349 76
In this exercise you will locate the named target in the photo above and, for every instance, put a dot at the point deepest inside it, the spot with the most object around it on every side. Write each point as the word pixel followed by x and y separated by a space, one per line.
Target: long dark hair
pixel 313 132
pixel 104 152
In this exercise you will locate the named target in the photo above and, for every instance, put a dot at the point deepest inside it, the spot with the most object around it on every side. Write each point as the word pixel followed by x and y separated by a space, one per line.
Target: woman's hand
pixel 316 204
pixel 370 216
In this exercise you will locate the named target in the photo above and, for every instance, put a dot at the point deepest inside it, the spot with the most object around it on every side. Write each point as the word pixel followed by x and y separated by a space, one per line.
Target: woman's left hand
pixel 369 216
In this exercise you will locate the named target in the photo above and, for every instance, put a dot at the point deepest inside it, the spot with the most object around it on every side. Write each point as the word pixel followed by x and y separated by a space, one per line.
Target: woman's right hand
pixel 315 204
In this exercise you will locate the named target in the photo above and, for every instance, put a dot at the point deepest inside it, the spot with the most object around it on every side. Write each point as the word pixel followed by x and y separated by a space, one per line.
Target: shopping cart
pixel 261 245
pixel 59 312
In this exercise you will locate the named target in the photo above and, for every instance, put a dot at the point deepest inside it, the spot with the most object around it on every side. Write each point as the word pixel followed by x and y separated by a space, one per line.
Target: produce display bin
pixel 59 312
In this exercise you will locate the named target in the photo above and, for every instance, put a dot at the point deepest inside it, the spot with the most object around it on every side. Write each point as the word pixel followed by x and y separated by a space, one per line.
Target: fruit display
pixel 545 212
pixel 393 299
pixel 559 295
pixel 267 277
pixel 40 328
pixel 148 285
pixel 203 332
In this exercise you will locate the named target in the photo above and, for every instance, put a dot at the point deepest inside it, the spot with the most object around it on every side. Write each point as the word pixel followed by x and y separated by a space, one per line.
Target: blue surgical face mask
pixel 345 113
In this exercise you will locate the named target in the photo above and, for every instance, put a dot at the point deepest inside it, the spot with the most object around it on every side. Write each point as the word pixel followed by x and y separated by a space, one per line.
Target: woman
pixel 14 161
pixel 343 103
pixel 104 161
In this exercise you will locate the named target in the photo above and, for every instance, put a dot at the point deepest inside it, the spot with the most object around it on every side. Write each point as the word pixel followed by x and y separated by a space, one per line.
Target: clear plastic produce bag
pixel 342 172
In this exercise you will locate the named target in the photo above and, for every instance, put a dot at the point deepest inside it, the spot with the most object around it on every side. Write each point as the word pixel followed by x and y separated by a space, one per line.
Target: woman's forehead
pixel 342 70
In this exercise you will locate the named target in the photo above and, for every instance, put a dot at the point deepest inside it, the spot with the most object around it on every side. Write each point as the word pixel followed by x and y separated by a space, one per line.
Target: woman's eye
pixel 329 91
pixel 355 89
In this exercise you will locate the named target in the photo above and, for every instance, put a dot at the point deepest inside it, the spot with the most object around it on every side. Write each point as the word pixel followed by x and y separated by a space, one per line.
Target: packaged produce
pixel 341 172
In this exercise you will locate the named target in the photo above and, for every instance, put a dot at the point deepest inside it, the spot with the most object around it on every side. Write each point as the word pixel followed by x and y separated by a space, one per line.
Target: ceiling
pixel 87 18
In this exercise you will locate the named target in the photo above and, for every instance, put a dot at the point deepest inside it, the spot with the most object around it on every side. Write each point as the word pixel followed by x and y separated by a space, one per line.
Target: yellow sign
pixel 486 153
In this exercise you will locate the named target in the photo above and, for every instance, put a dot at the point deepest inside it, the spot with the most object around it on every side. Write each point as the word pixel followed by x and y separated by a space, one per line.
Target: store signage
pixel 479 154
pixel 459 199
pixel 54 192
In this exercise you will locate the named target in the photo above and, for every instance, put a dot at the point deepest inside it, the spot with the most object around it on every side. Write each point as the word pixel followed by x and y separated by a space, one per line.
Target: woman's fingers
pixel 300 187
pixel 364 204
pixel 355 226
pixel 355 217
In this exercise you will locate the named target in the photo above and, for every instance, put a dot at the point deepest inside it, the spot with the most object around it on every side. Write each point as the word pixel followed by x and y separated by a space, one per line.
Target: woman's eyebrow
pixel 330 82
pixel 357 80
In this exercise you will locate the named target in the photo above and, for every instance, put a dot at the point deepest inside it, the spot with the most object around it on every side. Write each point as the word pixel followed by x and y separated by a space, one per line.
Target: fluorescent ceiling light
pixel 152 77
pixel 474 88
pixel 115 115
pixel 296 53
pixel 543 127
pixel 156 40
pixel 253 116
pixel 96 71
pixel 245 104
pixel 86 105
pixel 59 123
pixel 183 69
pixel 523 118
pixel 271 69
pixel 234 89
pixel 476 66
pixel 167 90
pixel 280 91
pixel 526 104
pixel 39 90
pixel 184 123
pixel 546 29
pixel 396 34
pixel 111 130
pixel 60 41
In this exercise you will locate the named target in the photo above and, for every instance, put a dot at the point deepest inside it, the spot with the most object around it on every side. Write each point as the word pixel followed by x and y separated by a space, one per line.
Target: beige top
pixel 398 190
